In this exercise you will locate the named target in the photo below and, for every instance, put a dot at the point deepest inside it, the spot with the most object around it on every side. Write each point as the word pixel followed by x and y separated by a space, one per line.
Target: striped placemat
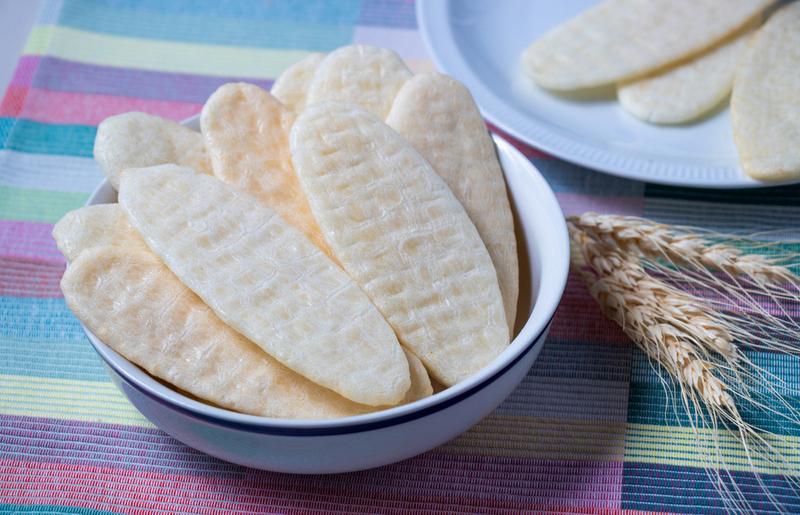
pixel 591 429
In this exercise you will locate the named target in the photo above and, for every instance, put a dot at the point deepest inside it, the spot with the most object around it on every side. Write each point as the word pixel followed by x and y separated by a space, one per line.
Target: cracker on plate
pixel 402 235
pixel 765 103
pixel 138 140
pixel 620 39
pixel 437 115
pixel 689 89
pixel 268 281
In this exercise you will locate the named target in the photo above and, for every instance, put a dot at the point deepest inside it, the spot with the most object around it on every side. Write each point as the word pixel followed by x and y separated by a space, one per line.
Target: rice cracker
pixel 765 103
pixel 268 281
pixel 620 39
pixel 95 226
pixel 689 89
pixel 402 235
pixel 136 306
pixel 139 140
pixel 437 115
pixel 246 131
pixel 291 87
pixel 365 75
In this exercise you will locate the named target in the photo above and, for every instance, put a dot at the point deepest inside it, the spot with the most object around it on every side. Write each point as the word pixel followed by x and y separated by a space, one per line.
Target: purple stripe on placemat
pixel 28 240
pixel 66 442
pixel 502 482
pixel 60 75
pixel 25 71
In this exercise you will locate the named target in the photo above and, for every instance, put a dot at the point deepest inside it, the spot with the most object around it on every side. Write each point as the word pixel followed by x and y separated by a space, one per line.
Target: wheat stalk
pixel 667 326
pixel 690 256
pixel 692 342
pixel 685 245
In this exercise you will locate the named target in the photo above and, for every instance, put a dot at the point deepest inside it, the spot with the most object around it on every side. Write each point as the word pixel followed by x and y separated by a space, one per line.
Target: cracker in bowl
pixel 268 281
pixel 399 231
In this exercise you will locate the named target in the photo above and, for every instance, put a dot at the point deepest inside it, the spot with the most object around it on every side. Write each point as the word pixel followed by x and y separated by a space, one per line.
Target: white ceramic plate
pixel 479 43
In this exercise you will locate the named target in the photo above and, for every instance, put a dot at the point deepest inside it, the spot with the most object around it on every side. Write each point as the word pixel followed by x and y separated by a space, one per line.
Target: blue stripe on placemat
pixel 669 489
pixel 23 318
pixel 5 129
pixel 46 138
pixel 396 14
pixel 341 12
pixel 51 358
pixel 783 195
pixel 649 403
pixel 248 32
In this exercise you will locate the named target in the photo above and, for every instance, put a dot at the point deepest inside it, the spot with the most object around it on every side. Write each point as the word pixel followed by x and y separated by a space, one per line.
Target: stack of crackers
pixel 339 245
pixel 672 61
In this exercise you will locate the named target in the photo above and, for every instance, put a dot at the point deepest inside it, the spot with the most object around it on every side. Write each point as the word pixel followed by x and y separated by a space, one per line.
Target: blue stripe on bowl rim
pixel 320 431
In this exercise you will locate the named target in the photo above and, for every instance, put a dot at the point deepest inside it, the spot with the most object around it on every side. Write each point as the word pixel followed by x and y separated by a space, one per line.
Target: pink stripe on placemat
pixel 26 277
pixel 30 263
pixel 83 109
pixel 13 101
pixel 426 484
pixel 577 204
pixel 26 240
pixel 579 315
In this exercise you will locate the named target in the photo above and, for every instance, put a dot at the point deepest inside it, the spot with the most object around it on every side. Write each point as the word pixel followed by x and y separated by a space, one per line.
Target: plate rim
pixel 438 37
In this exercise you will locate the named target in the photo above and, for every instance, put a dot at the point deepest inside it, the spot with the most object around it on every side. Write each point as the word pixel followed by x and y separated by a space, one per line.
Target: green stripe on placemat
pixel 48 138
pixel 38 205
pixel 168 56
pixel 86 401
pixel 776 196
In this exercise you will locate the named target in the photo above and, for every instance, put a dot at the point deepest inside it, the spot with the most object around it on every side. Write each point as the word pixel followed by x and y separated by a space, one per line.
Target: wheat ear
pixel 684 245
pixel 757 279
pixel 685 337
pixel 650 313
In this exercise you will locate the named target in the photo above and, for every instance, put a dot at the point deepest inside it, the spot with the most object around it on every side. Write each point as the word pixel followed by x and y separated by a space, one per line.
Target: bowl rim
pixel 527 339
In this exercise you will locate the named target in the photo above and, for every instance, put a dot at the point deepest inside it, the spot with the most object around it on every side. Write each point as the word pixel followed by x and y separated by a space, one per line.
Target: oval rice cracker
pixel 246 131
pixel 268 281
pixel 401 234
pixel 365 75
pixel 136 306
pixel 94 226
pixel 687 90
pixel 291 87
pixel 437 115
pixel 621 39
pixel 139 140
pixel 765 104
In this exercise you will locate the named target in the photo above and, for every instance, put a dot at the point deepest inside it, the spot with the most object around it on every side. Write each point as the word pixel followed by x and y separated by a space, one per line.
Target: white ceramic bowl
pixel 375 439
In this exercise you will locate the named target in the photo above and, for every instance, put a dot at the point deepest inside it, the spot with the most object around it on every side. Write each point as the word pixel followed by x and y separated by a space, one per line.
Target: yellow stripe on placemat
pixel 679 446
pixel 155 55
pixel 85 401
pixel 38 40
pixel 542 438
